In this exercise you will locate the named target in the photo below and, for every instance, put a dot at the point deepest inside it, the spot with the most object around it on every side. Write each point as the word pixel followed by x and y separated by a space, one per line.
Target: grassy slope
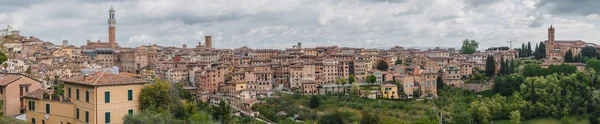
pixel 390 111
pixel 573 119
pixel 10 120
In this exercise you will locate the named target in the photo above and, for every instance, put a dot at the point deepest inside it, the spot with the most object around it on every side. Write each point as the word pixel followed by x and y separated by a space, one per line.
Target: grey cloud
pixel 577 7
pixel 282 23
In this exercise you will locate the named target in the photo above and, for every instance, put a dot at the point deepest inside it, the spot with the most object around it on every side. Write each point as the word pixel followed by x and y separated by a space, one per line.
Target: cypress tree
pixel 512 67
pixel 490 66
pixel 528 53
pixel 569 56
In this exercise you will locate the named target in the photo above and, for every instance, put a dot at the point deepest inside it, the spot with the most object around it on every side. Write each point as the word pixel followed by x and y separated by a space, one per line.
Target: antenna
pixel 510 43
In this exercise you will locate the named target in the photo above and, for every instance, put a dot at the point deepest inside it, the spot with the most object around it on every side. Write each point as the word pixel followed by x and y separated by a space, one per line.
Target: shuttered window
pixel 107 117
pixel 106 97
pixel 129 95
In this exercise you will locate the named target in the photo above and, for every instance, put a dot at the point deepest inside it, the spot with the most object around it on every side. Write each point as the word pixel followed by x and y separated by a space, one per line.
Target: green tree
pixel 569 56
pixel 3 58
pixel 369 118
pixel 439 83
pixel 480 112
pixel 398 61
pixel 371 79
pixel 528 51
pixel 469 46
pixel 351 79
pixel 533 70
pixel 562 69
pixel 314 101
pixel 333 118
pixel 150 117
pixel 512 67
pixel 155 97
pixel 507 84
pixel 589 52
pixel 515 117
pixel 490 66
pixel 593 64
pixel 540 51
pixel 223 112
pixel 382 65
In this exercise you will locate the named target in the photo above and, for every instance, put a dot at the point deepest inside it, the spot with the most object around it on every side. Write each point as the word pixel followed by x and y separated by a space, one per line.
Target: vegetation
pixel 369 117
pixel 569 56
pixel 490 66
pixel 382 65
pixel 540 51
pixel 469 46
pixel 398 61
pixel 164 103
pixel 371 79
pixel 589 52
pixel 349 108
pixel 525 50
pixel 11 120
pixel 314 101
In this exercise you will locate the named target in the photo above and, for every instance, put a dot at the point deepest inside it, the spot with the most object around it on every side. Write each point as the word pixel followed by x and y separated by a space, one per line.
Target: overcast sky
pixel 283 23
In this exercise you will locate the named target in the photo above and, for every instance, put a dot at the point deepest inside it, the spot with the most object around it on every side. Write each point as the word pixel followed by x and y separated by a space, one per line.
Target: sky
pixel 278 24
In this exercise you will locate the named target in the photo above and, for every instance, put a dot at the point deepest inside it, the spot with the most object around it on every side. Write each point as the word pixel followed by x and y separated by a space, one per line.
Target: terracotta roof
pixel 129 74
pixel 37 94
pixel 104 78
pixel 388 85
pixel 6 79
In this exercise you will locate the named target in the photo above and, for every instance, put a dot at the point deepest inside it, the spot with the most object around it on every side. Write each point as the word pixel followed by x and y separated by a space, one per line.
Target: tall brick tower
pixel 111 28
pixel 550 41
pixel 208 41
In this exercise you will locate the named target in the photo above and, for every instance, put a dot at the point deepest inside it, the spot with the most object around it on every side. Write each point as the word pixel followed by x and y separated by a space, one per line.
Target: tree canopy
pixel 589 52
pixel 490 66
pixel 156 96
pixel 382 65
pixel 469 46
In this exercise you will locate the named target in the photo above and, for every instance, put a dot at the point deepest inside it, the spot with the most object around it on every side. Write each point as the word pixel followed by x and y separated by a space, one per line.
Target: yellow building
pixel 389 91
pixel 101 97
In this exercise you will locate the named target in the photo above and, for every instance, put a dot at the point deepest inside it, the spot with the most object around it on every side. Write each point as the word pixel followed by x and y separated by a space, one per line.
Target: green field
pixel 351 107
pixel 572 119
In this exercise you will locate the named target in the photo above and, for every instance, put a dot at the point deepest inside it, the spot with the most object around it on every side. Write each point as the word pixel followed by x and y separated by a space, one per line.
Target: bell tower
pixel 111 27
pixel 550 43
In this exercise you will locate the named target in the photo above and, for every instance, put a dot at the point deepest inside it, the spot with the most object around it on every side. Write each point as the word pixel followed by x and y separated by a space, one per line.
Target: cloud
pixel 283 23
pixel 569 7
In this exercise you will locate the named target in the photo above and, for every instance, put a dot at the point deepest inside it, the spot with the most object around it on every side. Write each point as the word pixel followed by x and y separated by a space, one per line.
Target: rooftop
pixel 104 79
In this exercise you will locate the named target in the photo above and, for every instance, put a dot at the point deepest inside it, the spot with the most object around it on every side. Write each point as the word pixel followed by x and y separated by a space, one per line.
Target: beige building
pixel 12 88
pixel 101 97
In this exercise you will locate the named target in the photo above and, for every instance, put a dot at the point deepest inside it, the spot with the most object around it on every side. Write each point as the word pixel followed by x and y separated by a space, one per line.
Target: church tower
pixel 550 42
pixel 111 28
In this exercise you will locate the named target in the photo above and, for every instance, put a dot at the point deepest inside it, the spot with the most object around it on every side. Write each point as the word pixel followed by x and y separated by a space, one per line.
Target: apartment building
pixel 12 87
pixel 100 97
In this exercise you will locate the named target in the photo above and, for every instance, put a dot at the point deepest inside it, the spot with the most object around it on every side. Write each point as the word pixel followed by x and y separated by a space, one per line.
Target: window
pixel 32 105
pixel 87 115
pixel 129 95
pixel 69 91
pixel 77 113
pixel 47 108
pixel 77 94
pixel 130 111
pixel 107 97
pixel 33 120
pixel 107 117
pixel 87 96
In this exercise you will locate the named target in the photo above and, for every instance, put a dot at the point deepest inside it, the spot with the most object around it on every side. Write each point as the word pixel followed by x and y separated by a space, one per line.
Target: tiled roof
pixel 6 79
pixel 37 94
pixel 104 78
